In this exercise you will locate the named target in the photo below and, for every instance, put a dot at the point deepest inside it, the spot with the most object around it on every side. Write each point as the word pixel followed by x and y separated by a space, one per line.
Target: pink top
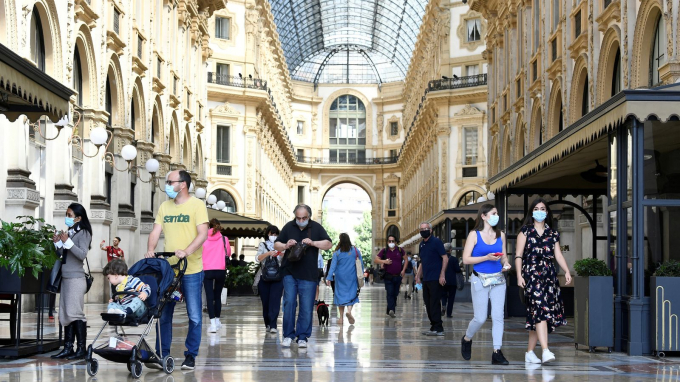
pixel 213 251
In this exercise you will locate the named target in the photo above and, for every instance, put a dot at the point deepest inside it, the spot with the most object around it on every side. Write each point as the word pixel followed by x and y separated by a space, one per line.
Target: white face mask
pixel 272 238
pixel 391 245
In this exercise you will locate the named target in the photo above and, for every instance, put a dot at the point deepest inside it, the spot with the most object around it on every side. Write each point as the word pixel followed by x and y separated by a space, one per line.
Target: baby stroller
pixel 163 279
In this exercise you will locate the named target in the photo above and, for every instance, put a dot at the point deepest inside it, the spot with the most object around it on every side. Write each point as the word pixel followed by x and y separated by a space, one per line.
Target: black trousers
pixel 432 293
pixel 448 297
pixel 270 294
pixel 213 283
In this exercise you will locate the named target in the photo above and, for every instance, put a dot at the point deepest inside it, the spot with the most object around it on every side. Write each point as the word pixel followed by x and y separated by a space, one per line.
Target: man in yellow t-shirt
pixel 184 221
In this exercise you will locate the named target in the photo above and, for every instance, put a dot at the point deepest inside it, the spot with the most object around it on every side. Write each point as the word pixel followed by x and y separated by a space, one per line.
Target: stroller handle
pixel 181 265
pixel 164 254
pixel 124 293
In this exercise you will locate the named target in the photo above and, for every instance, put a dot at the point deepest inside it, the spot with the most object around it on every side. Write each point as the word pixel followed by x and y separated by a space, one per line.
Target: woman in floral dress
pixel 537 245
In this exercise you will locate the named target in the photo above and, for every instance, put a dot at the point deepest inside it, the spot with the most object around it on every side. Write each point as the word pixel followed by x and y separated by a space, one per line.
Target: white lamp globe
pixel 221 205
pixel 471 202
pixel 214 206
pixel 152 165
pixel 128 152
pixel 212 199
pixel 481 199
pixel 99 136
pixel 491 195
pixel 200 193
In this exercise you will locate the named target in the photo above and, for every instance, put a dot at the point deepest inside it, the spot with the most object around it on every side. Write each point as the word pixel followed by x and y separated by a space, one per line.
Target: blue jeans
pixel 292 290
pixel 191 288
pixel 392 284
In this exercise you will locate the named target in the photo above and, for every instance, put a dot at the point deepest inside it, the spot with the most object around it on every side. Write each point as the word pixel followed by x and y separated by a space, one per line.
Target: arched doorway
pixel 226 197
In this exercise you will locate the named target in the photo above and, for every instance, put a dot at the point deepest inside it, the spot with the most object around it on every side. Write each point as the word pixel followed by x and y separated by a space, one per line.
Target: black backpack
pixel 271 271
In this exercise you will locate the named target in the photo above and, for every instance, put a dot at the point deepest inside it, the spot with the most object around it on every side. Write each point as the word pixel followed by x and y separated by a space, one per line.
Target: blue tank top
pixel 483 249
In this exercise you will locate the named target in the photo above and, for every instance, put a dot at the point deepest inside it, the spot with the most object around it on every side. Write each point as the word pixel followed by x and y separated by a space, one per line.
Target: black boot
pixel 81 339
pixel 68 342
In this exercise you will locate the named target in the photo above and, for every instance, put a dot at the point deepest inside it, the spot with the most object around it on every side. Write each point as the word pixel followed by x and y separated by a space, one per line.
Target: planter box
pixel 594 312
pixel 13 284
pixel 665 303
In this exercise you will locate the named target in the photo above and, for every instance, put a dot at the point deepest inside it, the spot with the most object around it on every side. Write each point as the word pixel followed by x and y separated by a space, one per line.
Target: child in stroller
pixel 117 273
pixel 163 280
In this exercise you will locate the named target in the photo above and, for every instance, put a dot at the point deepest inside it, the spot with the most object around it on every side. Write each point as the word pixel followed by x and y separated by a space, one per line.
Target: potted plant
pixel 665 283
pixel 594 304
pixel 240 279
pixel 26 250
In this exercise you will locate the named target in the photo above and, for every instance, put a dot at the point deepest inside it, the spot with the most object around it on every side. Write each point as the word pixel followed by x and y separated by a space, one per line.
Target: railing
pixel 351 161
pixel 457 83
pixel 224 169
pixel 239 82
pixel 116 21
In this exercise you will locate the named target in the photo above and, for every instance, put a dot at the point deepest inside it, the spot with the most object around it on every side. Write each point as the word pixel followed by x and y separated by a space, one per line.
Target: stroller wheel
pixel 92 367
pixel 168 364
pixel 135 368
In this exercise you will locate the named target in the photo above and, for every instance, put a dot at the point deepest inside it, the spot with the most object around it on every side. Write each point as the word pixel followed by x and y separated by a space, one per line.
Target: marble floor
pixel 376 348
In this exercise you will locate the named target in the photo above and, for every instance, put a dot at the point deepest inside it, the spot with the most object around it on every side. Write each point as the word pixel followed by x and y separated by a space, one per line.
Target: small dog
pixel 322 313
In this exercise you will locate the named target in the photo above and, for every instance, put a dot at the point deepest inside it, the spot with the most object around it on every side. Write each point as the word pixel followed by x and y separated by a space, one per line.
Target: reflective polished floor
pixel 376 348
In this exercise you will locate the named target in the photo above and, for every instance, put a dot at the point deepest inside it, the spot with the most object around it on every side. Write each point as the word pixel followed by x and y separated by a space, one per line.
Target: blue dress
pixel 343 271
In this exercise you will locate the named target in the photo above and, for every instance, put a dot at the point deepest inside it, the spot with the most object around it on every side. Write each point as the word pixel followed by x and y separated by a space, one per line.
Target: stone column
pixel 443 132
pixel 250 151
pixel 22 197
pixel 144 206
pixel 100 219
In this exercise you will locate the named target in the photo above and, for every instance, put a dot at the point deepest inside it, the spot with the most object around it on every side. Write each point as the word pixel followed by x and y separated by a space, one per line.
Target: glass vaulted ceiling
pixel 348 41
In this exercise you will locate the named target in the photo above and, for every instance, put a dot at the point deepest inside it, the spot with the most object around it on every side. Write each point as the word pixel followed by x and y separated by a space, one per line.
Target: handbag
pixel 88 277
pixel 490 279
pixel 296 252
pixel 382 273
pixel 360 272
pixel 54 283
pixel 460 281
pixel 271 271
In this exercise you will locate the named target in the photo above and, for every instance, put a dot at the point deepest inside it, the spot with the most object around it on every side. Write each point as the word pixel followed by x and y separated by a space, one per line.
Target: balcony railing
pixel 348 161
pixel 239 82
pixel 457 83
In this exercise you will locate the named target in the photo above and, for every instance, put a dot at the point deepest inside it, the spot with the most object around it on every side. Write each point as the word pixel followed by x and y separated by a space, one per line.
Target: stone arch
pixel 506 160
pixel 579 85
pixel 138 111
pixel 156 134
pixel 186 149
pixel 221 185
pixel 536 125
pixel 520 138
pixel 345 179
pixel 459 194
pixel 327 107
pixel 648 12
pixel 52 36
pixel 198 159
pixel 173 141
pixel 88 64
pixel 493 156
pixel 387 227
pixel 555 114
pixel 611 44
pixel 114 79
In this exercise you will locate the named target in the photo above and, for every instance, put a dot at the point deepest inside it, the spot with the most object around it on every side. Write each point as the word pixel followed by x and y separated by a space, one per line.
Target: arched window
pixel 37 40
pixel 616 75
pixel 226 198
pixel 347 132
pixel 393 230
pixel 77 77
pixel 133 121
pixel 469 197
pixel 108 104
pixel 658 52
pixel 584 98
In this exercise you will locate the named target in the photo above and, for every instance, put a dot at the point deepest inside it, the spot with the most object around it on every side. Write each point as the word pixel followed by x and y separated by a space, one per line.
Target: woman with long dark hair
pixel 537 245
pixel 72 247
pixel 215 249
pixel 270 290
pixel 344 272
pixel 485 250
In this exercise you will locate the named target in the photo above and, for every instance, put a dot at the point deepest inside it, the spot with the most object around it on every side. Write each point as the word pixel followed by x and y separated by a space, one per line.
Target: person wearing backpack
pixel 270 286
pixel 394 262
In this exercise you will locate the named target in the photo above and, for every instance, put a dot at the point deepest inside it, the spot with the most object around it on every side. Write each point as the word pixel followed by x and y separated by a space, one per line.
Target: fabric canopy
pixel 26 90
pixel 661 103
pixel 234 225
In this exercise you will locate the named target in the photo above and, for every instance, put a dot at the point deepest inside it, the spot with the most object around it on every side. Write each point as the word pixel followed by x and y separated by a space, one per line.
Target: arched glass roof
pixel 348 41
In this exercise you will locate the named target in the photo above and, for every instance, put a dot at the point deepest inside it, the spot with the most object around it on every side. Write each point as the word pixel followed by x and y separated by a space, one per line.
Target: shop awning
pixel 27 90
pixel 234 225
pixel 587 137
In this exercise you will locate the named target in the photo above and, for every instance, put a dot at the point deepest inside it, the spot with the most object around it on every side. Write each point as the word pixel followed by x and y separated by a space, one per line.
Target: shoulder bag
pixel 296 252
pixel 381 271
pixel 88 277
pixel 54 283
pixel 271 271
pixel 360 273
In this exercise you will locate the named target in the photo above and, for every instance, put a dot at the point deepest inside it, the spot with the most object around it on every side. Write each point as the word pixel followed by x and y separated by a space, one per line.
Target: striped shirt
pixel 131 284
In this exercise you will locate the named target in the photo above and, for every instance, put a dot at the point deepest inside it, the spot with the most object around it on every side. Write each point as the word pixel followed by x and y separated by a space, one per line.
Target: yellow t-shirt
pixel 179 223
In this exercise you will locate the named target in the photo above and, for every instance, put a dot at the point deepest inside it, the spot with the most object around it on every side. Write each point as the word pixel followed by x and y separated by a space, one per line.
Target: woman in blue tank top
pixel 485 250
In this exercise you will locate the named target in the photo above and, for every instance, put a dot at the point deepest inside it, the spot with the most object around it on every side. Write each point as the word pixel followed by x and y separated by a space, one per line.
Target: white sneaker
pixel 302 344
pixel 218 322
pixel 548 356
pixel 212 329
pixel 286 342
pixel 266 329
pixel 530 357
pixel 273 330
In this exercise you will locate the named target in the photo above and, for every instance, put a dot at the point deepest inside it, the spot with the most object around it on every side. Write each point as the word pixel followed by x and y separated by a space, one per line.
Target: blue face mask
pixel 493 220
pixel 539 216
pixel 69 221
pixel 170 191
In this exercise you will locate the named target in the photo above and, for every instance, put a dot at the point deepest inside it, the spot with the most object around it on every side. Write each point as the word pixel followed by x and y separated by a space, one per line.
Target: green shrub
pixel 670 268
pixel 27 244
pixel 591 267
pixel 241 276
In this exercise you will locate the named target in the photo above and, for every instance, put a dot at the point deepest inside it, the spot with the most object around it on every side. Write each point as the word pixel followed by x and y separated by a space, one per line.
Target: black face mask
pixel 425 234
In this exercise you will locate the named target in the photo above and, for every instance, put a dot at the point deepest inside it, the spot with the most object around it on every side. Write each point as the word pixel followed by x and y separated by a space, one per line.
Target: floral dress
pixel 542 289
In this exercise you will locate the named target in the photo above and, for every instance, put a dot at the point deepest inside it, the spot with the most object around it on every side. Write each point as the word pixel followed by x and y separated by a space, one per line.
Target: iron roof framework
pixel 348 41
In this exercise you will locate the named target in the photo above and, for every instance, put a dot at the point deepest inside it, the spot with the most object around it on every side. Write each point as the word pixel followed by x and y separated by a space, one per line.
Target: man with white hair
pixel 431 272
